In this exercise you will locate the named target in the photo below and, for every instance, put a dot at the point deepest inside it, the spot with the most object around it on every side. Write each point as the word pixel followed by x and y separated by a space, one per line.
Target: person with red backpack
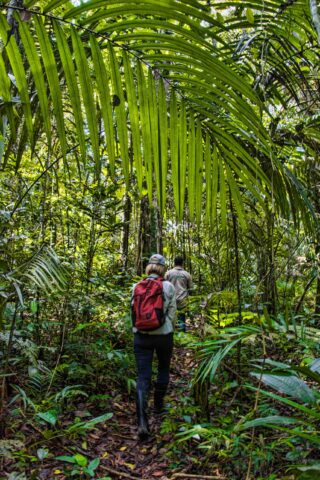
pixel 153 311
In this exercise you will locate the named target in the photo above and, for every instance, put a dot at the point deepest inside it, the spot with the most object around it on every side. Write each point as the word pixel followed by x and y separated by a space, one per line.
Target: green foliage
pixel 212 352
pixel 211 111
pixel 82 468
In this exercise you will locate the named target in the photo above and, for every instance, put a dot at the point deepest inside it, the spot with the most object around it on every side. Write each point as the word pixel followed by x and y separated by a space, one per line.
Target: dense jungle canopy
pixel 185 127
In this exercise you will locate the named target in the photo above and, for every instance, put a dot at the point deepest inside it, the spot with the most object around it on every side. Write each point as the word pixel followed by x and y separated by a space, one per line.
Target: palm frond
pixel 216 94
pixel 46 272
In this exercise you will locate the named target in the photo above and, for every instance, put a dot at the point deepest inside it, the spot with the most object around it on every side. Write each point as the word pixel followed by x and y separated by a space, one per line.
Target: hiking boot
pixel 142 403
pixel 160 389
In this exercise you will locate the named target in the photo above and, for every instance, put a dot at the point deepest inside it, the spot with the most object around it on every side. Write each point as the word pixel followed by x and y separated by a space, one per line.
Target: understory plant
pixel 290 408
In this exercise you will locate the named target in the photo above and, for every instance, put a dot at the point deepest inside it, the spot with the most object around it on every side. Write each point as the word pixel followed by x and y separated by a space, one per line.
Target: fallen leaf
pixel 82 414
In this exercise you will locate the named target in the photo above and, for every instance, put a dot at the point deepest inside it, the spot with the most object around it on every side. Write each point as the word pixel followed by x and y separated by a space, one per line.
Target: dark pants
pixel 144 346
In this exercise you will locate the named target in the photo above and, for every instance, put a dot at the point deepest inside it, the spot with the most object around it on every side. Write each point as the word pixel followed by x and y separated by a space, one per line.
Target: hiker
pixel 182 282
pixel 153 307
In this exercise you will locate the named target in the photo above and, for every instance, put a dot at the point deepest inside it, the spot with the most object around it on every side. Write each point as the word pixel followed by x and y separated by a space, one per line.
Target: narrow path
pixel 115 442
pixel 121 454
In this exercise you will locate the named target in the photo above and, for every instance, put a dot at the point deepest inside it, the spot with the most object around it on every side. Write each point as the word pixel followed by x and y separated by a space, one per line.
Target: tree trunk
pixel 317 302
pixel 127 209
pixel 159 230
pixel 266 267
pixel 147 235
pixel 238 276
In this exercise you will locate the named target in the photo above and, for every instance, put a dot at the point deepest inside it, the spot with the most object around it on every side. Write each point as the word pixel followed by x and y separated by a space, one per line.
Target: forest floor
pixel 123 455
pixel 115 442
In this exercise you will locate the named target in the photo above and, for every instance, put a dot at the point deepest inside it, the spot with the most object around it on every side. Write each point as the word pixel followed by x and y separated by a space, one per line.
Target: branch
pixel 199 477
pixel 120 474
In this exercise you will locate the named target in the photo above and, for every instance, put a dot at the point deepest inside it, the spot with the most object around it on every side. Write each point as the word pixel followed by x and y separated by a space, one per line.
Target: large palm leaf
pixel 214 116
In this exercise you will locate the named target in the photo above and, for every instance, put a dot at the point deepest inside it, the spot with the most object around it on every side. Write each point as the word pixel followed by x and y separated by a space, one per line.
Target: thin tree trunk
pixel 271 280
pixel 237 269
pixel 317 302
pixel 160 234
pixel 126 231
pixel 143 227
pixel 159 230
pixel 89 265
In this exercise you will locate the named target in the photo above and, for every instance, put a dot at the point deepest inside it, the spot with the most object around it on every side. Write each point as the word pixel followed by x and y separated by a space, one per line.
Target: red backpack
pixel 147 306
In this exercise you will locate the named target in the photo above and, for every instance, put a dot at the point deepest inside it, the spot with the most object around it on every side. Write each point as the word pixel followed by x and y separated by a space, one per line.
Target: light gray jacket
pixel 182 282
pixel 169 307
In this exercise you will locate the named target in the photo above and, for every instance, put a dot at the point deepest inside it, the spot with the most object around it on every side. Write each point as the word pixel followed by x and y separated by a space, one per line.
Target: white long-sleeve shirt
pixel 182 282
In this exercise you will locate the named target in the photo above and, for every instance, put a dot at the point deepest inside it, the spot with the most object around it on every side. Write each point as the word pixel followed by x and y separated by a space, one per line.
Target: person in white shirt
pixel 182 282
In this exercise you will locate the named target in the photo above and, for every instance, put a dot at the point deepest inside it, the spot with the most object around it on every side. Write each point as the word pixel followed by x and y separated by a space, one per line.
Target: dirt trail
pixel 115 442
pixel 121 454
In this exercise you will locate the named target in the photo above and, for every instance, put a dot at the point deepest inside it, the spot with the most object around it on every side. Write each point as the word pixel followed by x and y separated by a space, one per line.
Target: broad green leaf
pixel 53 80
pixel 199 37
pixel 93 465
pixel 52 5
pixel 289 385
pixel 73 90
pixel 120 112
pixel 198 172
pixel 37 73
pixel 4 82
pixel 103 84
pixel 85 81
pixel 154 130
pixel 163 135
pixel 209 365
pixel 182 158
pixel 18 70
pixel 90 424
pixel 174 150
pixel 215 181
pixel 81 460
pixel 208 178
pixel 236 197
pixel 209 65
pixel 145 127
pixel 250 15
pixel 5 94
pixel 308 472
pixel 66 458
pixel 310 437
pixel 46 272
pixel 134 117
pixel 191 165
pixel 49 417
pixel 180 11
pixel 223 199
pixel 265 421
